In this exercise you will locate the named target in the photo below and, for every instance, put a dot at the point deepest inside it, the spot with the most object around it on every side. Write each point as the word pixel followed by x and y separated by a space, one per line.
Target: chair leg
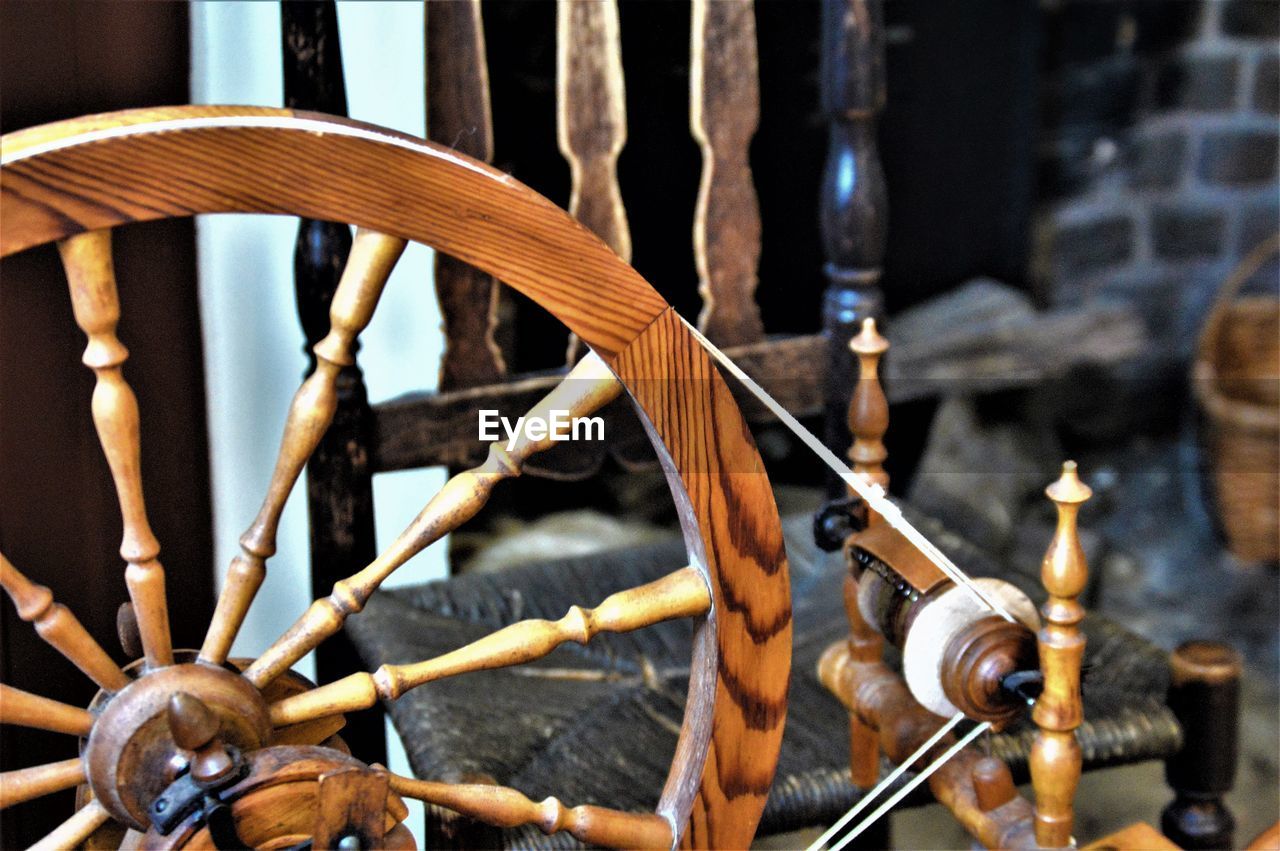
pixel 1204 693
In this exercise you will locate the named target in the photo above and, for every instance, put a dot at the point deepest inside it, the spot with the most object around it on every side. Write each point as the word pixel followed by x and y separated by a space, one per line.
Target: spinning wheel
pixel 194 749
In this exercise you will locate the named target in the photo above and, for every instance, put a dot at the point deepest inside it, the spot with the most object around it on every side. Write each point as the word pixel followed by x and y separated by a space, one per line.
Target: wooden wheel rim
pixel 66 178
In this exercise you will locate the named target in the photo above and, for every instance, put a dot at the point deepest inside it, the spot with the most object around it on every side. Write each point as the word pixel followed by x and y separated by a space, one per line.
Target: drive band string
pixel 909 787
pixel 872 794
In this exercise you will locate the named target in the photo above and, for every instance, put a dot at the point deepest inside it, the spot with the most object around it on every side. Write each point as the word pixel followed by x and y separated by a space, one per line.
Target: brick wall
pixel 1158 160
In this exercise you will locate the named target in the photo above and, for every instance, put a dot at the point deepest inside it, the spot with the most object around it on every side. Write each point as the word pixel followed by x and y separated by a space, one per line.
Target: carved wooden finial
pixel 869 409
pixel 194 727
pixel 866 645
pixel 1055 754
pixel 192 724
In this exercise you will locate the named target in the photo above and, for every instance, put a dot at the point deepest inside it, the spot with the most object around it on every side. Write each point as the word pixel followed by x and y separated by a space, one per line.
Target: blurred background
pixel 1078 152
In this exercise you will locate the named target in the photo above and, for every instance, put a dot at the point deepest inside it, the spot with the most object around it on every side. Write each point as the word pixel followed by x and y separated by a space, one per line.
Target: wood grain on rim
pixel 60 180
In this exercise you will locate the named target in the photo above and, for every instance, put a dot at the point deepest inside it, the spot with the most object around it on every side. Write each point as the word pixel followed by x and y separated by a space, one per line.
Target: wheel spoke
pixel 87 261
pixel 502 806
pixel 27 783
pixel 31 710
pixel 683 593
pixel 75 830
pixel 588 387
pixel 308 732
pixel 56 624
pixel 373 256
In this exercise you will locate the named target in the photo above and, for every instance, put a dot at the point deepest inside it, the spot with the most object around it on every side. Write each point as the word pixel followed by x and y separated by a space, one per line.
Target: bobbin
pixel 955 650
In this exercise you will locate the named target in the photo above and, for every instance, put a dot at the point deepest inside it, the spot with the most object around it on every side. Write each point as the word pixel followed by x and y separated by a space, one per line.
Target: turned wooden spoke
pixel 502 806
pixel 680 594
pixel 591 119
pixel 27 783
pixel 588 386
pixel 96 304
pixel 724 110
pixel 59 627
pixel 31 710
pixel 373 257
pixel 75 830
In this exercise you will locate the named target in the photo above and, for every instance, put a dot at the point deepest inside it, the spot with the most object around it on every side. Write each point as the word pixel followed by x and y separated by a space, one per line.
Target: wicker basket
pixel 1236 379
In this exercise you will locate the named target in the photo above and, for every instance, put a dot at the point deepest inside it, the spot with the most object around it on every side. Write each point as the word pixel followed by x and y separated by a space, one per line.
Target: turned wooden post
pixel 868 417
pixel 1204 693
pixel 31 710
pixel 75 830
pixel 852 203
pixel 865 645
pixel 869 409
pixel 373 256
pixel 505 807
pixel 1055 754
pixel 339 482
pixel 27 784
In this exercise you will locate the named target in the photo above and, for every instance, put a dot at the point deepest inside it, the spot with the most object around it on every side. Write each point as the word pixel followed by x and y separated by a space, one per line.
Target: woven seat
pixel 598 724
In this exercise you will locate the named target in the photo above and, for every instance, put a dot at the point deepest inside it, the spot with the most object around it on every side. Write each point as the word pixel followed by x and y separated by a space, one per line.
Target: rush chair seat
pixel 599 723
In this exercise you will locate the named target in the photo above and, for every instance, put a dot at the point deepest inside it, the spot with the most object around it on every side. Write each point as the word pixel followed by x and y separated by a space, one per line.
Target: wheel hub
pixel 130 757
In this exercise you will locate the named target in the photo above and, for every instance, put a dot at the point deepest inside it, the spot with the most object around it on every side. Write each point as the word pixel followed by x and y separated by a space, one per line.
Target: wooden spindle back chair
pixel 438 429
pixel 810 374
